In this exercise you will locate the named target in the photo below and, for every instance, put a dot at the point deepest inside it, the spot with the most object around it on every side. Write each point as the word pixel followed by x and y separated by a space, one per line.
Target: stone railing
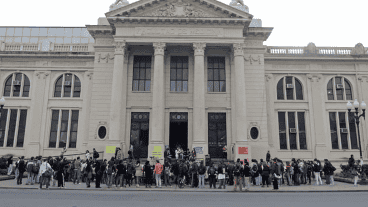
pixel 324 51
pixel 47 48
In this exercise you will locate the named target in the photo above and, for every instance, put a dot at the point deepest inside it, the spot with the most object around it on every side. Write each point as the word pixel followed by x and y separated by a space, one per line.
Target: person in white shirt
pixel 44 166
pixel 87 155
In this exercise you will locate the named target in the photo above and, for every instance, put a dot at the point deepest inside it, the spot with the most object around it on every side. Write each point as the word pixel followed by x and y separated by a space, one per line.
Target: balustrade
pixel 302 51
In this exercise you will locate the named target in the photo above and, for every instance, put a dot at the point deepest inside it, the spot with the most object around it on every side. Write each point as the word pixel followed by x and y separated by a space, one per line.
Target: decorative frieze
pixel 104 57
pixel 178 9
pixel 165 31
pixel 337 66
pixel 68 63
pixel 253 58
pixel 199 48
pixel 254 43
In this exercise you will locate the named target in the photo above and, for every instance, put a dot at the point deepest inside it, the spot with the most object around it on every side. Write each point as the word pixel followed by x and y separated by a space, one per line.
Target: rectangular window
pixel 139 134
pixel 64 127
pixel 179 73
pixel 16 88
pixel 343 130
pixel 142 73
pixel 217 138
pixel 68 86
pixel 216 74
pixel 292 130
pixel 14 125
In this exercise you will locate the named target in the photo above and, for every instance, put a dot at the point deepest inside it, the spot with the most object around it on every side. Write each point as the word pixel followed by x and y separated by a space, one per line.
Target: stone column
pixel 199 113
pixel 118 96
pixel 238 90
pixel 157 120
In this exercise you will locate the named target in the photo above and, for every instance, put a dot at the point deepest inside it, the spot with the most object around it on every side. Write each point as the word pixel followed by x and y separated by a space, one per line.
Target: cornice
pixel 257 33
pixel 101 31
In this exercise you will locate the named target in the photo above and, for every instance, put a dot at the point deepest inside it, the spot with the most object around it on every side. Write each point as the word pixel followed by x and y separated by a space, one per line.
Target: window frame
pixel 219 80
pixel 284 89
pixel 344 81
pixel 287 129
pixel 176 72
pixel 338 129
pixel 16 129
pixel 139 79
pixel 21 90
pixel 58 132
pixel 72 87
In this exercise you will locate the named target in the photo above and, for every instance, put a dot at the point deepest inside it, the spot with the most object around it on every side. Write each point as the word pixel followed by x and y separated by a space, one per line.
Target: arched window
pixel 339 88
pixel 67 85
pixel 17 85
pixel 289 88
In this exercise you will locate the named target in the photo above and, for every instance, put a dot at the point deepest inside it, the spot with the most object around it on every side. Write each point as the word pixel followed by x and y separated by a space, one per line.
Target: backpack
pixel 237 169
pixel 30 167
pixel 212 171
pixel 255 168
pixel 35 168
pixel 96 155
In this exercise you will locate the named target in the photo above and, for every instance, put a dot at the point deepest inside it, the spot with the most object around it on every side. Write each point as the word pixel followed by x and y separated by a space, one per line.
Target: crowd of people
pixel 179 173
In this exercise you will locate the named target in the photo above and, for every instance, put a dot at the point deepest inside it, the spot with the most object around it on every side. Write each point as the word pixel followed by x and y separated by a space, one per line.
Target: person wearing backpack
pixel 212 176
pixel 237 175
pixel 22 169
pixel 317 173
pixel 254 173
pixel 288 172
pixel 45 172
pixel 147 173
pixel 201 174
pixel 110 170
pixel 246 175
pixel 30 164
pixel 265 174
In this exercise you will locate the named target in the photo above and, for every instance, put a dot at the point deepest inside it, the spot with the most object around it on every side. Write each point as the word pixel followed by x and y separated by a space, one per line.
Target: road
pixel 81 198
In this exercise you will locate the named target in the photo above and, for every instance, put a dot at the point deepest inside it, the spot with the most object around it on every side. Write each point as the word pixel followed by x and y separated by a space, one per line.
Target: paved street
pixel 65 198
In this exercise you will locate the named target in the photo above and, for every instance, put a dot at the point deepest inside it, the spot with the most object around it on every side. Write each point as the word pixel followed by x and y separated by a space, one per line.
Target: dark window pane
pixel 222 74
pixel 339 94
pixel 217 138
pixel 222 86
pixel 330 94
pixel 289 94
pixel 298 90
pixel 216 87
pixel 135 85
pixel 280 89
pixel 282 130
pixel 349 95
pixel 74 129
pixel 289 79
pixel 353 133
pixel 173 74
pixel 63 128
pixel 344 136
pixel 22 127
pixel 302 133
pixel 26 87
pixel 142 74
pixel 16 88
pixel 58 87
pixel 4 114
pixel 185 74
pixel 216 75
pixel 179 74
pixel 8 84
pixel 148 74
pixel 210 86
pixel 210 74
pixel 136 74
pixel 333 129
pixel 139 134
pixel 338 80
pixel 292 136
pixel 77 87
pixel 12 124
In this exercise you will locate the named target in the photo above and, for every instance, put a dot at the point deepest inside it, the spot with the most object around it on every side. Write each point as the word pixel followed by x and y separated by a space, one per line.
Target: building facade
pixel 189 73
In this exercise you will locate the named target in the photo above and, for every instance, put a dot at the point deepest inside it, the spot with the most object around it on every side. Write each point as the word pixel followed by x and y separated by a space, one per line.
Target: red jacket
pixel 158 169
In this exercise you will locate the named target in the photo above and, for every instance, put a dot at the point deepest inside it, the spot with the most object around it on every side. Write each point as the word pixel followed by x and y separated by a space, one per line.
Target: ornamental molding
pixel 314 77
pixel 178 9
pixel 252 59
pixel 238 49
pixel 363 78
pixel 89 75
pixel 268 77
pixel 159 48
pixel 42 74
pixel 120 47
pixel 199 48
pixel 104 57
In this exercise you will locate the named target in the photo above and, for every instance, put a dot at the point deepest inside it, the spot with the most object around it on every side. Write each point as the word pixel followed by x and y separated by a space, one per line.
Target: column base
pixel 200 152
pixel 321 152
pixel 156 150
pixel 33 150
pixel 243 152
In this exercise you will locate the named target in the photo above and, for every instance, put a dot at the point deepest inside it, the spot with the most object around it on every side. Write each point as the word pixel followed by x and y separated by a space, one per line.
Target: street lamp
pixel 357 117
pixel 2 103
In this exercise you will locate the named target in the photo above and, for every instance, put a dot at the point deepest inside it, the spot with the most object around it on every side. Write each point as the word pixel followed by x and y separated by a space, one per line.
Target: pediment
pixel 179 9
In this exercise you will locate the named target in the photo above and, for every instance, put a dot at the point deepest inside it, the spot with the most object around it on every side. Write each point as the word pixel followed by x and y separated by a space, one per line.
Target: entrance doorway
pixel 178 132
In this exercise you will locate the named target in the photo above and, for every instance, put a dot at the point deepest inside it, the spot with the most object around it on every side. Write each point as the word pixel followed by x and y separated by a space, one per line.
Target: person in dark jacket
pixel 176 171
pixel 130 172
pixel 110 170
pixel 120 173
pixel 230 171
pixel 147 174
pixel 98 173
pixel 259 178
pixel 201 172
pixel 351 161
pixel 268 156
pixel 317 172
pixel 88 171
pixel 22 169
pixel 265 174
pixel 212 176
pixel 246 175
pixel 221 175
pixel 103 170
pixel 237 175
pixel 193 170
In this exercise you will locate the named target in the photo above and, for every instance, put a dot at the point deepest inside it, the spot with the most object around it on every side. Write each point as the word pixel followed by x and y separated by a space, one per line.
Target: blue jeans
pixel 201 181
pixel 10 169
pixel 109 180
pixel 76 176
pixel 120 178
pixel 30 178
pixel 158 180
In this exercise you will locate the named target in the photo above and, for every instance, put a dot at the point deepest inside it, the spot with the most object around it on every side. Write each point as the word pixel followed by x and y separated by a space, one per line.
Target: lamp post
pixel 357 117
pixel 2 103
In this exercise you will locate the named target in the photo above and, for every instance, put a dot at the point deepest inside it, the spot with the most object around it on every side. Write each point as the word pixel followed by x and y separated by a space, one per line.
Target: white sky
pixel 295 22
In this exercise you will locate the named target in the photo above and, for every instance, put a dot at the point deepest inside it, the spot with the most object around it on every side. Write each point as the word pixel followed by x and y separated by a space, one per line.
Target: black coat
pixel 175 169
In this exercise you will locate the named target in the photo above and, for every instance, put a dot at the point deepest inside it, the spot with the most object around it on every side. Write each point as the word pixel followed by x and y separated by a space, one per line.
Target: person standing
pixel 193 170
pixel 176 171
pixel 110 171
pixel 212 176
pixel 317 174
pixel 77 171
pixel 224 152
pixel 167 155
pixel 98 173
pixel 201 172
pixel 130 172
pixel 265 174
pixel 166 172
pixel 221 175
pixel 237 175
pixel 120 173
pixel 87 155
pixel 288 173
pixel 10 165
pixel 351 161
pixel 158 171
pixel 177 151
pixel 44 176
pixel 230 171
pixel 268 156
pixel 354 172
pixel 246 175
pixel 30 164
pixel 22 169
pixel 147 174
pixel 88 173
pixel 95 155
pixel 138 173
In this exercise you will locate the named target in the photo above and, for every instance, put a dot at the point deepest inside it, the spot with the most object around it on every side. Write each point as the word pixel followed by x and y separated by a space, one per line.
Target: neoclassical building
pixel 168 73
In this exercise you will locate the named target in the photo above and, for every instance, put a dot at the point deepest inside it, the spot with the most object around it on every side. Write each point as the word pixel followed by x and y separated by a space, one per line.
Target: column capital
pixel 238 49
pixel 159 48
pixel 198 48
pixel 120 47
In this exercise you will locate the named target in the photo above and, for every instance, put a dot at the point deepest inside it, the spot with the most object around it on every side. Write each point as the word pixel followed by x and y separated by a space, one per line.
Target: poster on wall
pixel 157 152
pixel 242 150
pixel 110 149
pixel 199 150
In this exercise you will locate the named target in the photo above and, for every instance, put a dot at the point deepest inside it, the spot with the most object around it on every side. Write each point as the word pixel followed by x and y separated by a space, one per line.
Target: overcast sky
pixel 295 22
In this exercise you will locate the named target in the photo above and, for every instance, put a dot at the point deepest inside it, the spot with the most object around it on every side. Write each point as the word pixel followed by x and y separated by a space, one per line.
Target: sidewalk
pixel 339 186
